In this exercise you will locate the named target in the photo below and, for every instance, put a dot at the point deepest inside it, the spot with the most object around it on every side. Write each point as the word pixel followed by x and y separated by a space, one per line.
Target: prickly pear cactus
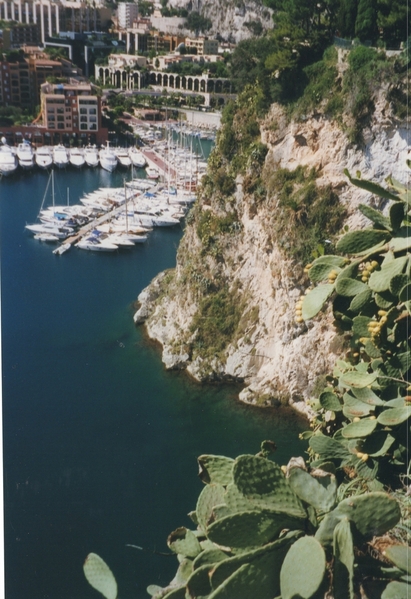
pixel 303 570
pixel 100 576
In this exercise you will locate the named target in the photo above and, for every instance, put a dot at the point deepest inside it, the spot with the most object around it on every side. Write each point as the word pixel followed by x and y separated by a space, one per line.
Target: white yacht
pixel 152 172
pixel 25 155
pixel 123 157
pixel 76 157
pixel 8 159
pixel 137 158
pixel 44 159
pixel 108 158
pixel 60 156
pixel 95 244
pixel 91 155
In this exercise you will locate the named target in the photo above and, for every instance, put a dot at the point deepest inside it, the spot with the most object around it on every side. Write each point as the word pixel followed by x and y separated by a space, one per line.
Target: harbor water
pixel 100 442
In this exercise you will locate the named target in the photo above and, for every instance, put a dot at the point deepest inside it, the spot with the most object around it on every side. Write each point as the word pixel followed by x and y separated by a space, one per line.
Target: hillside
pixel 274 197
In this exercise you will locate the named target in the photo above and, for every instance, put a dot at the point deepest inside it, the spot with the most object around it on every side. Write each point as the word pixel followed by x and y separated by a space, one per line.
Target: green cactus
pixel 198 585
pixel 367 396
pixel 321 267
pixel 380 279
pixel 215 469
pixel 363 428
pixel 343 550
pixel 236 501
pixel 246 530
pixel 328 448
pixel 272 553
pixel 319 491
pixel 376 217
pixel 356 242
pixel 396 590
pixel 262 481
pixel 394 416
pixel 400 556
pixel 358 380
pixel 361 301
pixel 184 542
pixel 211 495
pixel 350 287
pixel 372 514
pixel 354 407
pixel 100 576
pixel 330 401
pixel 315 300
pixel 209 557
pixel 305 580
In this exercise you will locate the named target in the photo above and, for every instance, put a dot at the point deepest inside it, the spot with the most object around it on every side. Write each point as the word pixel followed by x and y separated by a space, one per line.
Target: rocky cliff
pixel 227 310
pixel 232 20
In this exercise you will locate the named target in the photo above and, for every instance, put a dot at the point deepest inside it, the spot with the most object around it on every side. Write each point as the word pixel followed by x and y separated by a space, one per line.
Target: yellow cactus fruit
pixel 382 312
pixel 365 457
pixel 364 278
pixel 356 419
pixel 359 454
pixel 299 304
pixel 284 469
pixel 374 264
pixel 372 417
pixel 299 319
pixel 383 319
pixel 355 354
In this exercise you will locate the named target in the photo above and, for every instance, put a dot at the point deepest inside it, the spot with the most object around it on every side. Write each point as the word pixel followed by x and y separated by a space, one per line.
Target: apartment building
pixel 71 108
pixel 127 13
pixel 202 45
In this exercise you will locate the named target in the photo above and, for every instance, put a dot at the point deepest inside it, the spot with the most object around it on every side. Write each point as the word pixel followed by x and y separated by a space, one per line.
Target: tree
pixel 366 21
pixel 346 17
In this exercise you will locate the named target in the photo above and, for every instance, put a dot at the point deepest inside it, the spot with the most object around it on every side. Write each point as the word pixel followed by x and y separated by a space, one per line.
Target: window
pixel 60 125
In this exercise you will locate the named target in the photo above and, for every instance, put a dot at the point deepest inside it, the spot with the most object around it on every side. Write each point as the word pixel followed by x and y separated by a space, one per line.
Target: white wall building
pixel 127 13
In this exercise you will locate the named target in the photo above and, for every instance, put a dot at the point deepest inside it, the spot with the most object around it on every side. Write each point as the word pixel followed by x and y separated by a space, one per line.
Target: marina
pixel 100 442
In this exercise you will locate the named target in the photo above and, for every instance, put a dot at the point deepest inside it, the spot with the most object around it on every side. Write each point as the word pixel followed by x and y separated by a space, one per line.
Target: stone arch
pixel 177 82
pixel 210 86
pixel 196 84
pixel 171 81
pixel 165 80
pixel 183 82
pixel 153 78
pixel 218 86
pixel 158 81
pixel 203 86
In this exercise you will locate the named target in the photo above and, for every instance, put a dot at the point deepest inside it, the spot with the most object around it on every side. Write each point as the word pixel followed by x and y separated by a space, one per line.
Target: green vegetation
pixel 260 533
pixel 306 216
pixel 216 321
pixel 196 22
pixel 362 423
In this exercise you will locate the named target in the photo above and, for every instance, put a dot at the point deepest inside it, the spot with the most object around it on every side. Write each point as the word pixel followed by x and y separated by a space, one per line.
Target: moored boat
pixel 76 157
pixel 25 155
pixel 108 158
pixel 60 156
pixel 91 156
pixel 44 158
pixel 8 159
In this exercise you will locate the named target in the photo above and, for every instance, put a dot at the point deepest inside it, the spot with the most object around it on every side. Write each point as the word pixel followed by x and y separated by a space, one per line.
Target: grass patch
pixel 216 321
pixel 307 215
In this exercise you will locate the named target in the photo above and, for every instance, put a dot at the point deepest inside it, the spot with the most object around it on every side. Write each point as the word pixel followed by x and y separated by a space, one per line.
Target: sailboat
pixel 49 231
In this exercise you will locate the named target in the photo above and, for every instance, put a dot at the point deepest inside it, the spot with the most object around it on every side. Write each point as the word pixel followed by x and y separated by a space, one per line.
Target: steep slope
pixel 231 20
pixel 227 310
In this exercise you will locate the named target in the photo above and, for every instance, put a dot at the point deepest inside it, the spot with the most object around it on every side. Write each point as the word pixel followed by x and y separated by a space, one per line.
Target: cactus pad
pixel 343 579
pixel 372 513
pixel 210 496
pixel 380 279
pixel 394 416
pixel 328 448
pixel 198 585
pixel 246 530
pixel 320 492
pixel 356 242
pixel 100 576
pixel 272 554
pixel 304 580
pixel 184 542
pixel 363 428
pixel 350 287
pixel 330 401
pixel 400 556
pixel 355 379
pixel 396 590
pixel 215 469
pixel 262 481
pixel 315 300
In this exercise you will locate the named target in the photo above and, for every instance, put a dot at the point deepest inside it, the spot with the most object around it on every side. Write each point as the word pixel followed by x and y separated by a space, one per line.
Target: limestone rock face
pixel 229 18
pixel 275 358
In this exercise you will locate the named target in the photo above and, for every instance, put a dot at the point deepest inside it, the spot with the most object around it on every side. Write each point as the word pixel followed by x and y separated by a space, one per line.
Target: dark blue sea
pixel 100 442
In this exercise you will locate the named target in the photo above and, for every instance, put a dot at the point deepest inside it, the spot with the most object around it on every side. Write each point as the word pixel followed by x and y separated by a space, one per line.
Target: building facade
pixel 127 13
pixel 71 108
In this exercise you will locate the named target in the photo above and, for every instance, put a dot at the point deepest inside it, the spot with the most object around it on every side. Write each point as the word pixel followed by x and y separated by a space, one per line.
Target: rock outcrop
pixel 277 359
pixel 231 21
